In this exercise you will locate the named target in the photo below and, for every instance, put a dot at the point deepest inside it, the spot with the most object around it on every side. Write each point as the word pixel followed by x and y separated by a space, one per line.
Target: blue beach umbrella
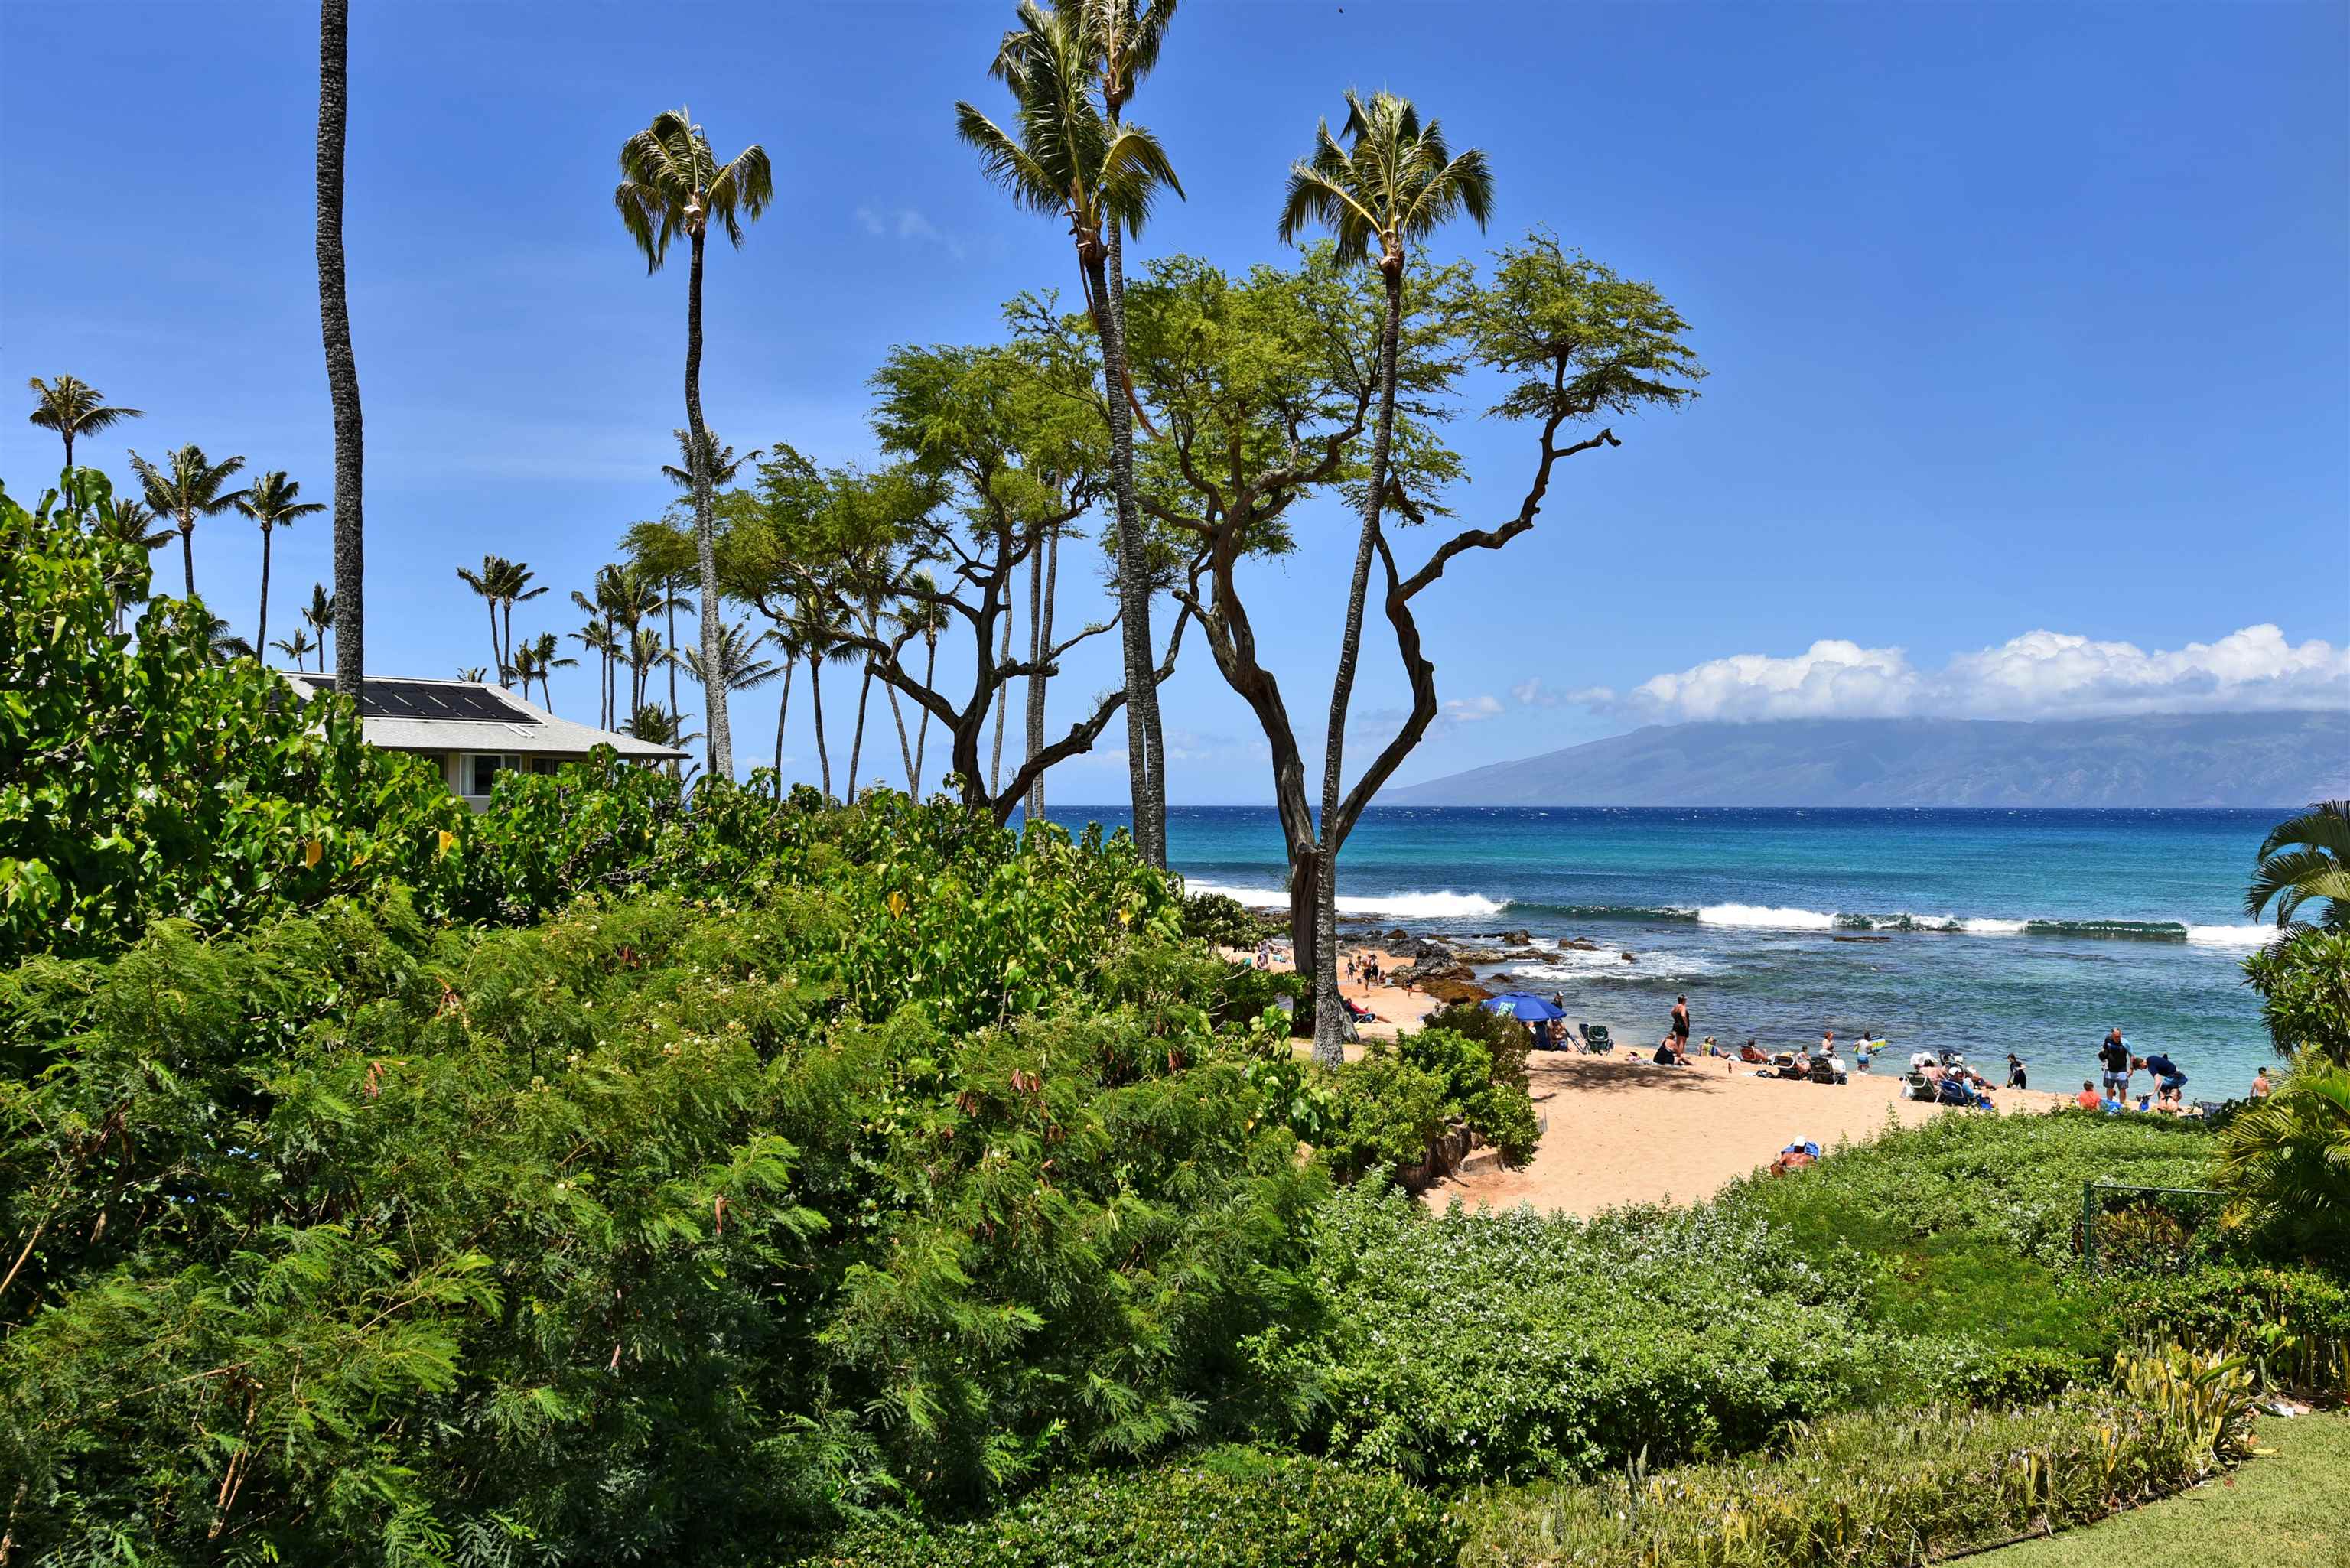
pixel 1525 1007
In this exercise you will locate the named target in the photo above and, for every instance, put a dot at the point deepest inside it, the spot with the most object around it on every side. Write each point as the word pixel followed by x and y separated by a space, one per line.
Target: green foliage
pixel 1482 1056
pixel 1379 1113
pixel 677 1221
pixel 2304 986
pixel 1235 1508
pixel 140 781
pixel 2305 859
pixel 2285 1162
pixel 1882 1488
pixel 1481 1346
pixel 2292 1325
pixel 2012 1181
pixel 1226 921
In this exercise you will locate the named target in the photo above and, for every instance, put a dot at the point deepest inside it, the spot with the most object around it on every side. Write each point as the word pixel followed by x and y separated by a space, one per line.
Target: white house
pixel 475 730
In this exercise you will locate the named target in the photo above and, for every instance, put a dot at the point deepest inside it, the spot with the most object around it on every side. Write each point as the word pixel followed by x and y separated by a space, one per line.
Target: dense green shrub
pixel 1227 922
pixel 1230 1508
pixel 1491 1095
pixel 1494 1346
pixel 1883 1489
pixel 2294 1324
pixel 2012 1182
pixel 620 1236
pixel 1379 1113
pixel 2303 980
pixel 141 779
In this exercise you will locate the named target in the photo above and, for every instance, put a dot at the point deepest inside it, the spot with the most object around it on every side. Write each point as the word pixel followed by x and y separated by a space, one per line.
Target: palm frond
pixel 1009 164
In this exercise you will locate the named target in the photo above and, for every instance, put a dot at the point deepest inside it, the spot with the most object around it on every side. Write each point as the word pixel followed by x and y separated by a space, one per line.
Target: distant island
pixel 2152 759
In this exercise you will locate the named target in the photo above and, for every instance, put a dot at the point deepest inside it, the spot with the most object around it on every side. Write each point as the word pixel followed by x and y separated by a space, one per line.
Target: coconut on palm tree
pixel 70 407
pixel 272 501
pixel 671 183
pixel 188 486
pixel 1071 161
pixel 2303 859
pixel 1394 182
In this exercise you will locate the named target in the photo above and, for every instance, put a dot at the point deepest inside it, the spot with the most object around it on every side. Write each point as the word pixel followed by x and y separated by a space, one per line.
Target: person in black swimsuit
pixel 1682 1022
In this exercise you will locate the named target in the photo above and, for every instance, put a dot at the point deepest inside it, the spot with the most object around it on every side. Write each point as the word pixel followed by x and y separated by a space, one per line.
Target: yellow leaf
pixel 897 905
pixel 448 839
pixel 312 851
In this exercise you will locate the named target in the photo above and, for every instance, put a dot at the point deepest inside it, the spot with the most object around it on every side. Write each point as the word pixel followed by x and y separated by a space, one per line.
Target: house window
pixel 481 770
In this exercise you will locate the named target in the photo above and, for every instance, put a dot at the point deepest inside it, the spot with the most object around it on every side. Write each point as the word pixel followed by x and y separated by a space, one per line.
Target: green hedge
pixel 1493 1346
pixel 1227 1509
pixel 1880 1489
pixel 2293 1324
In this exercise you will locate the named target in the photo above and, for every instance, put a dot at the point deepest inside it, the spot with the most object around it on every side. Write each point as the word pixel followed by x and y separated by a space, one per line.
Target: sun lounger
pixel 1596 1039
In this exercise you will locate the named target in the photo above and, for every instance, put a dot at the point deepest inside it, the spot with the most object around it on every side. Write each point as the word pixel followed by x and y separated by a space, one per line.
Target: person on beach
pixel 2114 1057
pixel 1263 952
pixel 2169 1083
pixel 2015 1071
pixel 2087 1098
pixel 2261 1085
pixel 1827 1041
pixel 1752 1053
pixel 1680 1026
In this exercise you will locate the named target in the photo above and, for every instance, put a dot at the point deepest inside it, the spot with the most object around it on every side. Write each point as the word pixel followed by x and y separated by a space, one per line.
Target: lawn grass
pixel 2290 1509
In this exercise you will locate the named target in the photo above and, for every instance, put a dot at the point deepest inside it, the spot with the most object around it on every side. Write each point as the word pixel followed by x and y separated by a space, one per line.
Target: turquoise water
pixel 2026 931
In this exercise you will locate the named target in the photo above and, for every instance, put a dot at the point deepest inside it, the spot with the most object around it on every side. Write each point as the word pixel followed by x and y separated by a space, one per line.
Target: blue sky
pixel 2021 319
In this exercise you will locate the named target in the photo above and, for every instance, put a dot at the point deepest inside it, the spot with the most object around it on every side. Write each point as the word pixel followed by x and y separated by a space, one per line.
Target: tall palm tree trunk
pixel 1328 1037
pixel 342 370
pixel 1133 591
pixel 922 728
pixel 1003 698
pixel 261 636
pixel 783 712
pixel 719 739
pixel 1154 748
pixel 1032 710
pixel 505 652
pixel 188 552
pixel 496 660
pixel 816 702
pixel 675 716
pixel 1041 639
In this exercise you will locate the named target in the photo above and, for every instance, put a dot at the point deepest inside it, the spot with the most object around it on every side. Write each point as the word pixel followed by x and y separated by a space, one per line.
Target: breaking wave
pixel 1402 906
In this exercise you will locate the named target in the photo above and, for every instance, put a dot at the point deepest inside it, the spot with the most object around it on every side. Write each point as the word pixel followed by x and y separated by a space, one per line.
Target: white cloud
pixel 906 223
pixel 1470 710
pixel 1532 693
pixel 2038 675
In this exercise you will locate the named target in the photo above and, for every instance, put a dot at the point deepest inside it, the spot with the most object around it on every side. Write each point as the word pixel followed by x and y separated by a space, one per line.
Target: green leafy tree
pixel 2303 980
pixel 128 523
pixel 273 502
pixel 1395 183
pixel 2303 859
pixel 187 487
pixel 70 406
pixel 1070 158
pixel 148 779
pixel 671 183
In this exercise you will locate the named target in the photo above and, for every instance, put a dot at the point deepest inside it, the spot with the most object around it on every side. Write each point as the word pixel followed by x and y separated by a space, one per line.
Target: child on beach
pixel 2261 1085
pixel 2087 1098
pixel 2015 1071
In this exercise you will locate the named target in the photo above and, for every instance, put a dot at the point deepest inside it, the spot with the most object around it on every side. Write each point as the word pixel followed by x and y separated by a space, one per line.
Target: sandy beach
pixel 1620 1129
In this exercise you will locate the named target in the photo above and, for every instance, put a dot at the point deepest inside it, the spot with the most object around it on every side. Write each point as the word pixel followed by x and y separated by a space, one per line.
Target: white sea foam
pixel 1403 906
pixel 1988 925
pixel 1610 965
pixel 2230 936
pixel 1762 915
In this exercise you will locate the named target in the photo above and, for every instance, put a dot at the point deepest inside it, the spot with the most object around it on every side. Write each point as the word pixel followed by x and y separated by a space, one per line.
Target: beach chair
pixel 1917 1087
pixel 1596 1039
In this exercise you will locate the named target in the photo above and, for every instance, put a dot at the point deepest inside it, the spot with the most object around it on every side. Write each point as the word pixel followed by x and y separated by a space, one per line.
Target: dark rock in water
pixel 1480 955
pixel 1447 989
pixel 1515 939
pixel 1861 939
pixel 1421 974
pixel 1396 938
pixel 1581 945
pixel 1524 955
pixel 1627 958
pixel 1424 950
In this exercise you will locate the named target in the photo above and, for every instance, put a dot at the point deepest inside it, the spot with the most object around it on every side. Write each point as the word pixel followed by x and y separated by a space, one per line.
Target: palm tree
pixel 547 656
pixel 644 649
pixel 816 627
pixel 524 668
pixel 272 501
pixel 514 588
pixel 671 184
pixel 475 672
pixel 127 523
pixel 296 647
pixel 1072 161
pixel 334 332
pixel 69 406
pixel 2285 1160
pixel 595 638
pixel 321 616
pixel 187 488
pixel 1395 183
pixel 739 666
pixel 221 643
pixel 487 583
pixel 924 617
pixel 2305 857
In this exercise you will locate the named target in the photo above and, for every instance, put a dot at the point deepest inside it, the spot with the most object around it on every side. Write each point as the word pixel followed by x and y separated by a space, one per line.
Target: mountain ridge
pixel 2271 759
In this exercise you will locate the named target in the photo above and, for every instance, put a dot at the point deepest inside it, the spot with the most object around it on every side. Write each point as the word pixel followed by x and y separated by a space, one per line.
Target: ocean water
pixel 2026 931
